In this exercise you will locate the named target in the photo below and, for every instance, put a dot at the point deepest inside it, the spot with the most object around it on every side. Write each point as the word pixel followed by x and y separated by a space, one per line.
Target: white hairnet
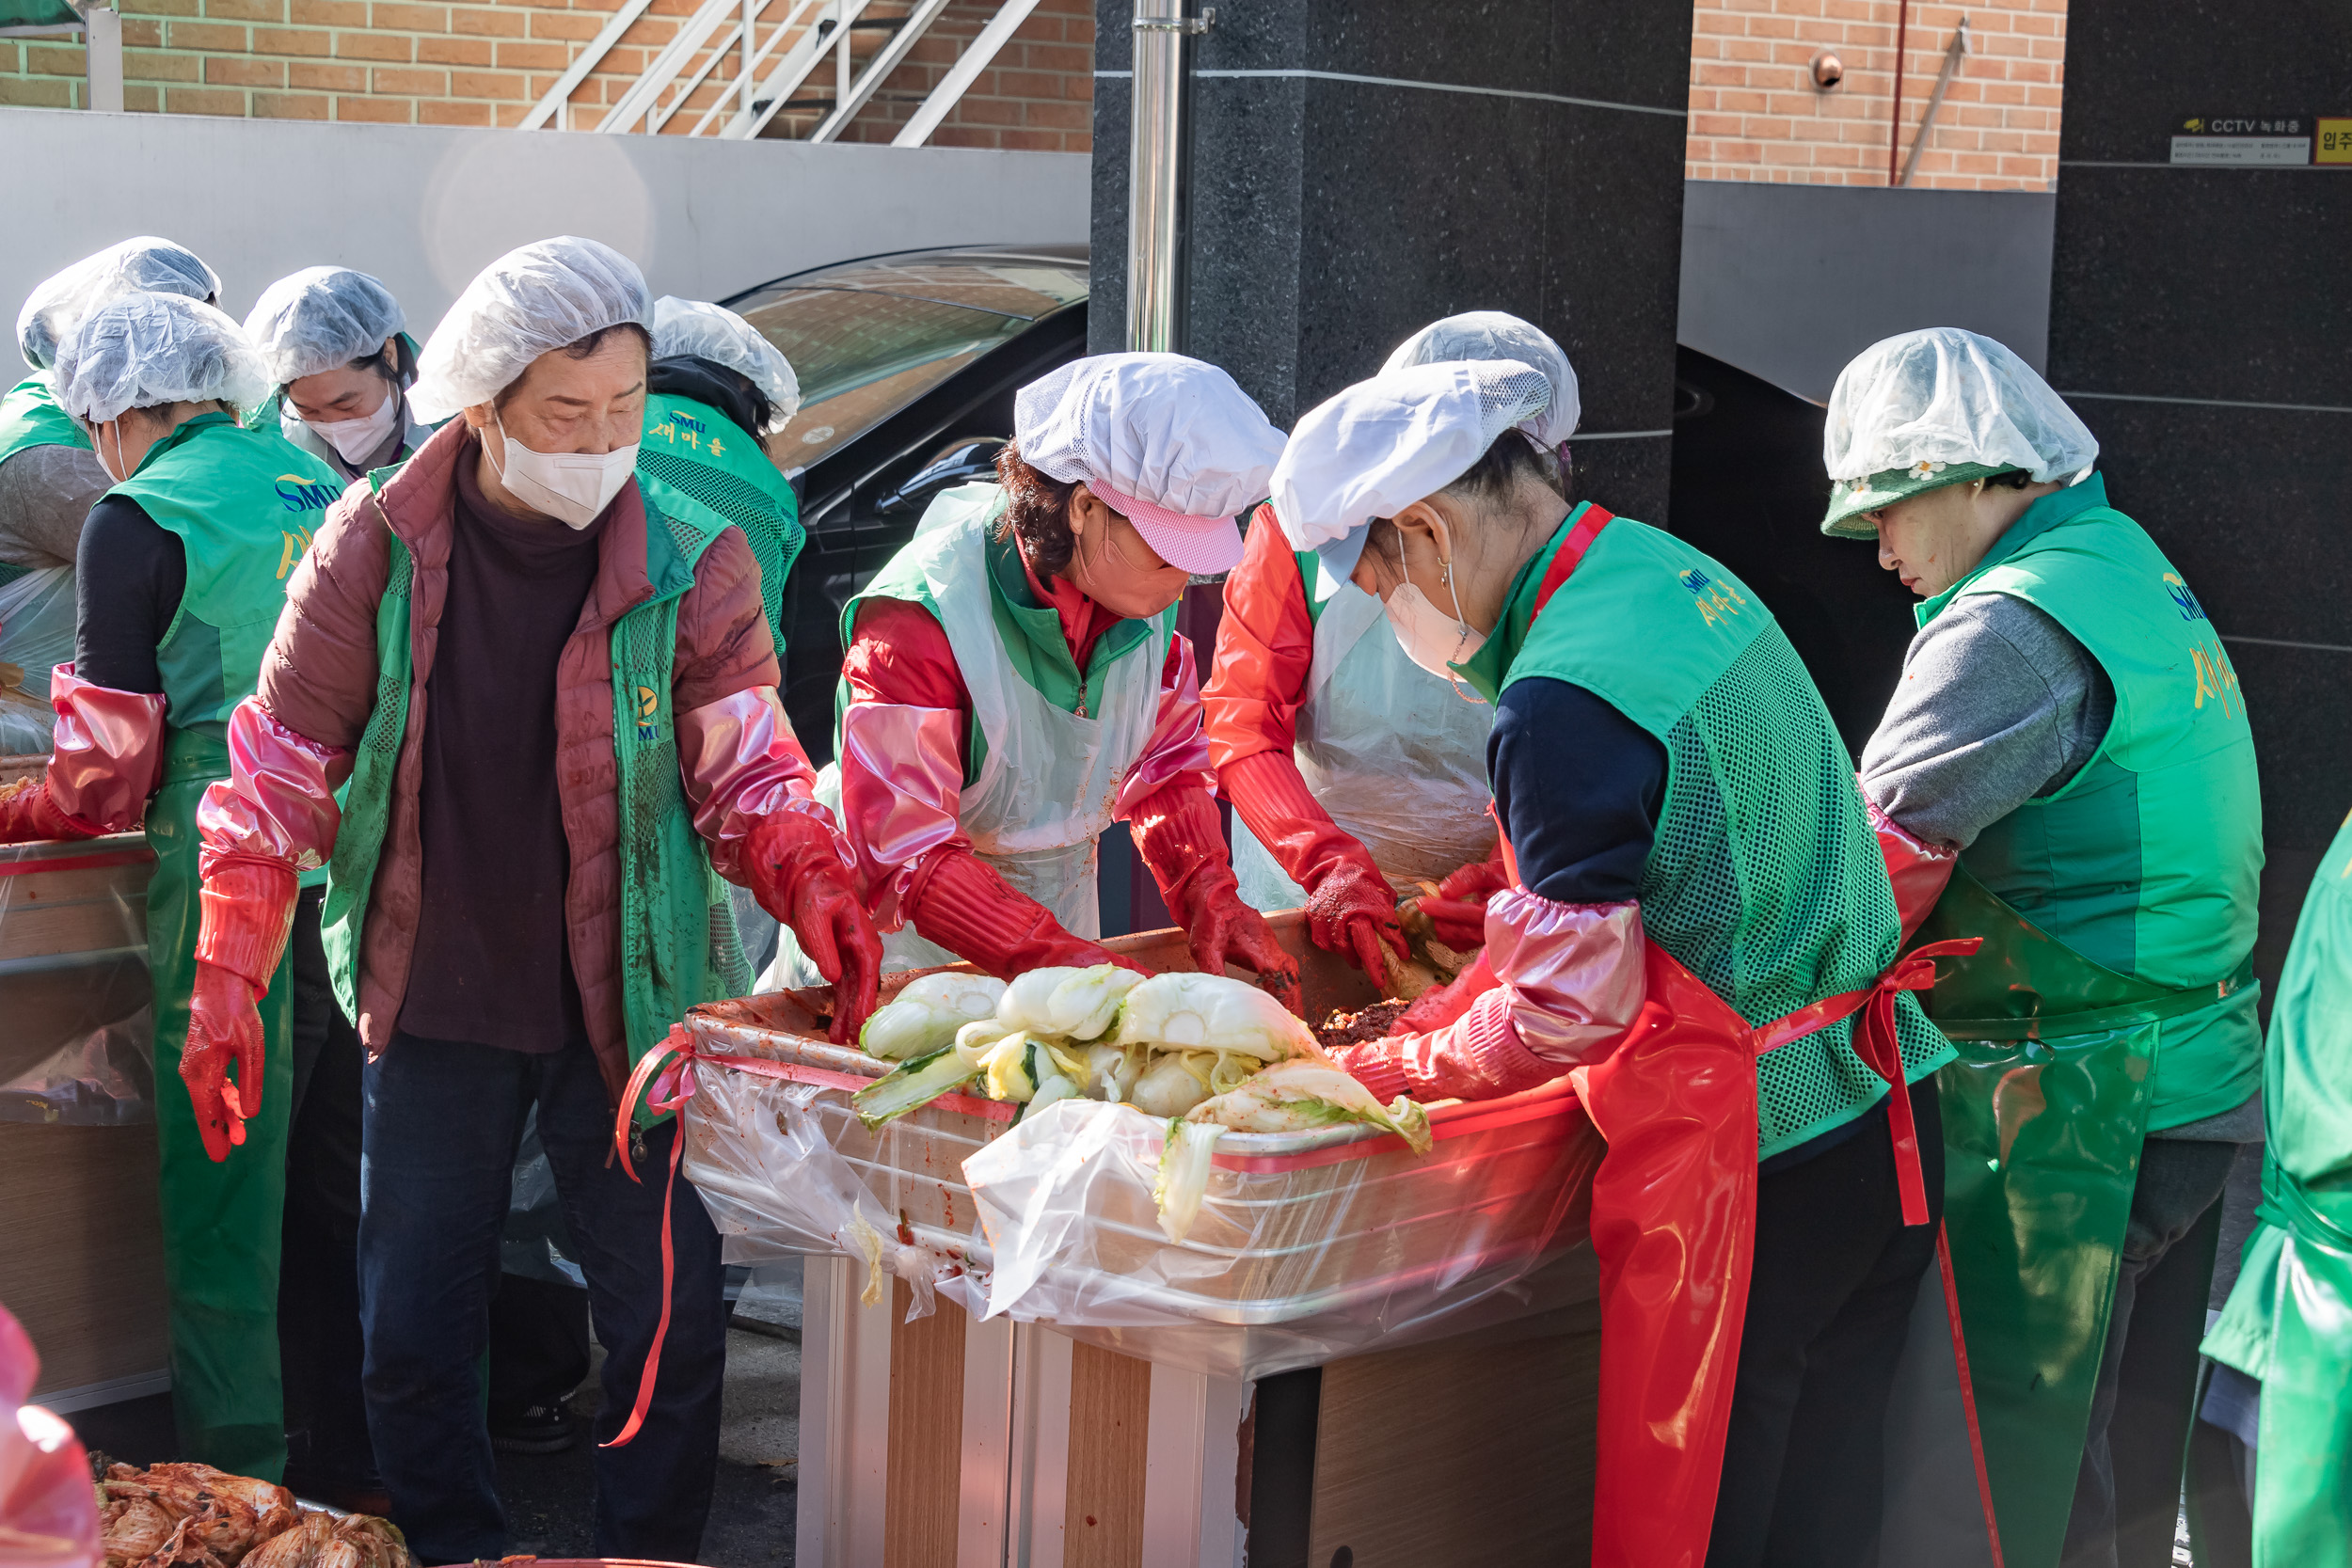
pixel 146 264
pixel 144 349
pixel 1942 396
pixel 1402 436
pixel 321 318
pixel 704 331
pixel 1499 335
pixel 1171 432
pixel 543 297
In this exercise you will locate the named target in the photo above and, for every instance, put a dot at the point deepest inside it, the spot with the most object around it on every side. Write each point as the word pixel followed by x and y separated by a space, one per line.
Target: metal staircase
pixel 786 70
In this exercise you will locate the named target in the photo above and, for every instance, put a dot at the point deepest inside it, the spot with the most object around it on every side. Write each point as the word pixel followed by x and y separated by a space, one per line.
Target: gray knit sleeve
pixel 1998 704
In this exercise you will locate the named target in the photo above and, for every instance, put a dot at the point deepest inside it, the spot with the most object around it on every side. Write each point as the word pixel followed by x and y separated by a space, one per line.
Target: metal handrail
pixel 746 81
pixel 799 63
pixel 885 60
pixel 974 59
pixel 718 26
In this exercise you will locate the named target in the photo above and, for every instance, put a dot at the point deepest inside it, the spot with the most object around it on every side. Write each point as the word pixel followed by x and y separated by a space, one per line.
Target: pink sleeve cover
pixel 742 762
pixel 109 752
pixel 1177 751
pixel 278 802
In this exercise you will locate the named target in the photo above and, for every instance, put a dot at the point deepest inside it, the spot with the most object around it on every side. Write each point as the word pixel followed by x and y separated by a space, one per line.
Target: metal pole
pixel 102 37
pixel 751 12
pixel 1935 101
pixel 1895 125
pixel 1153 152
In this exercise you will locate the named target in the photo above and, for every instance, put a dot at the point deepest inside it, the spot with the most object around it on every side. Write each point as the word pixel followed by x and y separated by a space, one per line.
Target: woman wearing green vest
pixel 555 707
pixel 1352 770
pixel 49 477
pixel 2066 773
pixel 182 576
pixel 2289 1320
pixel 717 392
pixel 341 363
pixel 1693 879
pixel 1015 683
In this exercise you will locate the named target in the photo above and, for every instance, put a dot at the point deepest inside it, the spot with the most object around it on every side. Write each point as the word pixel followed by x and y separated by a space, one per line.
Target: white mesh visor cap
pixel 143 350
pixel 1499 335
pixel 1168 442
pixel 1940 396
pixel 544 296
pixel 692 328
pixel 143 265
pixel 321 318
pixel 1383 444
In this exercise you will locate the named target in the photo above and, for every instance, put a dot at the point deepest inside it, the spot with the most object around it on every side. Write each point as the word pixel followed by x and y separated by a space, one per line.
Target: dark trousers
pixel 318 1280
pixel 442 1122
pixel 2148 1372
pixel 1837 1274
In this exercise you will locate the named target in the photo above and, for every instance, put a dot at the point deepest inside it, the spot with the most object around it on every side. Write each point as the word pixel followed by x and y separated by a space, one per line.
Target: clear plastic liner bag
pixel 1307 1247
pixel 535 1242
pixel 35 634
pixel 104 1077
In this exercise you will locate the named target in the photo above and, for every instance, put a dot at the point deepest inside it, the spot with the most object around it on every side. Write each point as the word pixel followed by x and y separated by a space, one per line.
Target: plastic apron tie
pixel 1875 1041
pixel 664 1079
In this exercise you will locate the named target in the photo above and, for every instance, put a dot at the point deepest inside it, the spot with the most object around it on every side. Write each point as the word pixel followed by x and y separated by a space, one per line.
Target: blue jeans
pixel 442 1120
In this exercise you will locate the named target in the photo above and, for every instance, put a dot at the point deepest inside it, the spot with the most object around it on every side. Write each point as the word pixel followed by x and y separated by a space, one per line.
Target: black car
pixel 908 364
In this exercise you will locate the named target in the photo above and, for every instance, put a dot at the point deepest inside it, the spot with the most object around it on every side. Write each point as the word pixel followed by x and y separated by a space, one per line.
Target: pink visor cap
pixel 1170 443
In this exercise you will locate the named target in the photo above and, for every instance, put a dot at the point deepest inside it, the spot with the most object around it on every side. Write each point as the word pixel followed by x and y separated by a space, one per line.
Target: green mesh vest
pixel 695 461
pixel 1764 879
pixel 2148 862
pixel 244 503
pixel 678 943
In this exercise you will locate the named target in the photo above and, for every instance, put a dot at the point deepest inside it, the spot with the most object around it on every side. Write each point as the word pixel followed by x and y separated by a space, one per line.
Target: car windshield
pixel 868 337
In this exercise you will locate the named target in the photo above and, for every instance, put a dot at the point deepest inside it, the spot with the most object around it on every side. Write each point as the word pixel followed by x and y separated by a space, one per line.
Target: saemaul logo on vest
pixel 648 704
pixel 2178 590
pixel 297 494
pixel 1716 601
pixel 682 426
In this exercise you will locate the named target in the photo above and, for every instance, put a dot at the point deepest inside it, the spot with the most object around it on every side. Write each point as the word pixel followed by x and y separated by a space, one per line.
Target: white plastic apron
pixel 1392 752
pixel 1049 783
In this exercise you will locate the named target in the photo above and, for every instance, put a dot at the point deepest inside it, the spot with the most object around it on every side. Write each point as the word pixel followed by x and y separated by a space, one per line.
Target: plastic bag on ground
pixel 48 1508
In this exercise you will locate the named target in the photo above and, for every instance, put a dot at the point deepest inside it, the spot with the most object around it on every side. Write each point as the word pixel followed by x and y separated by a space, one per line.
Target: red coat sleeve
pixel 1265 647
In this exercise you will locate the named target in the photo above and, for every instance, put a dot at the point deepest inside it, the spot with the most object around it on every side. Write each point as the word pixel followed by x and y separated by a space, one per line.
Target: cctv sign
pixel 2252 141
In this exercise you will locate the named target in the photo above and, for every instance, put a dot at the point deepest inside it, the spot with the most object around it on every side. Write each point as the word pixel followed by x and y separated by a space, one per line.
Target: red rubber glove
pixel 29 813
pixel 798 875
pixel 1351 912
pixel 246 911
pixel 1181 837
pixel 958 901
pixel 1458 913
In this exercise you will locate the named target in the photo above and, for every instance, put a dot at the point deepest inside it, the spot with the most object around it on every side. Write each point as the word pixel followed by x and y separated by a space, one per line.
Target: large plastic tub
pixel 1307 1246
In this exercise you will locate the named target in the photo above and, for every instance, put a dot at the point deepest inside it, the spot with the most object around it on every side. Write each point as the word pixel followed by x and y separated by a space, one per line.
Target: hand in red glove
pixel 224 1030
pixel 1458 913
pixel 1351 912
pixel 798 875
pixel 29 813
pixel 246 911
pixel 1222 930
pixel 958 901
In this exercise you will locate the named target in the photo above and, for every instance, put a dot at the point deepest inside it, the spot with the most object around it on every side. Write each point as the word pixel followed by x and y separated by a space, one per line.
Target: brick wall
pixel 1755 115
pixel 485 64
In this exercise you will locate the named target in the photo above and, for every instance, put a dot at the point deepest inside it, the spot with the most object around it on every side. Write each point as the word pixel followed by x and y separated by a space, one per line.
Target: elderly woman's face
pixel 1933 540
pixel 1113 566
pixel 595 405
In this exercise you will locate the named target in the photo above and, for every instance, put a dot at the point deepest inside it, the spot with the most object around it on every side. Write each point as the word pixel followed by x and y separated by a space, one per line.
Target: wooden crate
pixel 80 1240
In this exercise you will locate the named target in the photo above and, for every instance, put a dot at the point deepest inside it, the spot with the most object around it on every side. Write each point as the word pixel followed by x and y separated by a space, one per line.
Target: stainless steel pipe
pixel 1153 155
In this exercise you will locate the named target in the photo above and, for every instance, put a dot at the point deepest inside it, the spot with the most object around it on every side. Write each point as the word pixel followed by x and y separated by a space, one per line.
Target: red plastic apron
pixel 1674 1219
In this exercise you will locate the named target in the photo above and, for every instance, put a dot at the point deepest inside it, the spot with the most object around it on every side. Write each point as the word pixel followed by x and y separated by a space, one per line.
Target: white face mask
pixel 355 441
pixel 97 445
pixel 1430 637
pixel 573 486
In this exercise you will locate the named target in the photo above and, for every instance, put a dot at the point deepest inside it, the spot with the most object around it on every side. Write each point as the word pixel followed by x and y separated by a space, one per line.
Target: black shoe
pixel 534 1429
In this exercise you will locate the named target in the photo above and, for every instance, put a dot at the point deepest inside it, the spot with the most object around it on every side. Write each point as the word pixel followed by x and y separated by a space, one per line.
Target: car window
pixel 868 337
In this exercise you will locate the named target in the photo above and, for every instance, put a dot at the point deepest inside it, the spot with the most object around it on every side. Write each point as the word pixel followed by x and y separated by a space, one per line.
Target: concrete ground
pixel 550 1497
